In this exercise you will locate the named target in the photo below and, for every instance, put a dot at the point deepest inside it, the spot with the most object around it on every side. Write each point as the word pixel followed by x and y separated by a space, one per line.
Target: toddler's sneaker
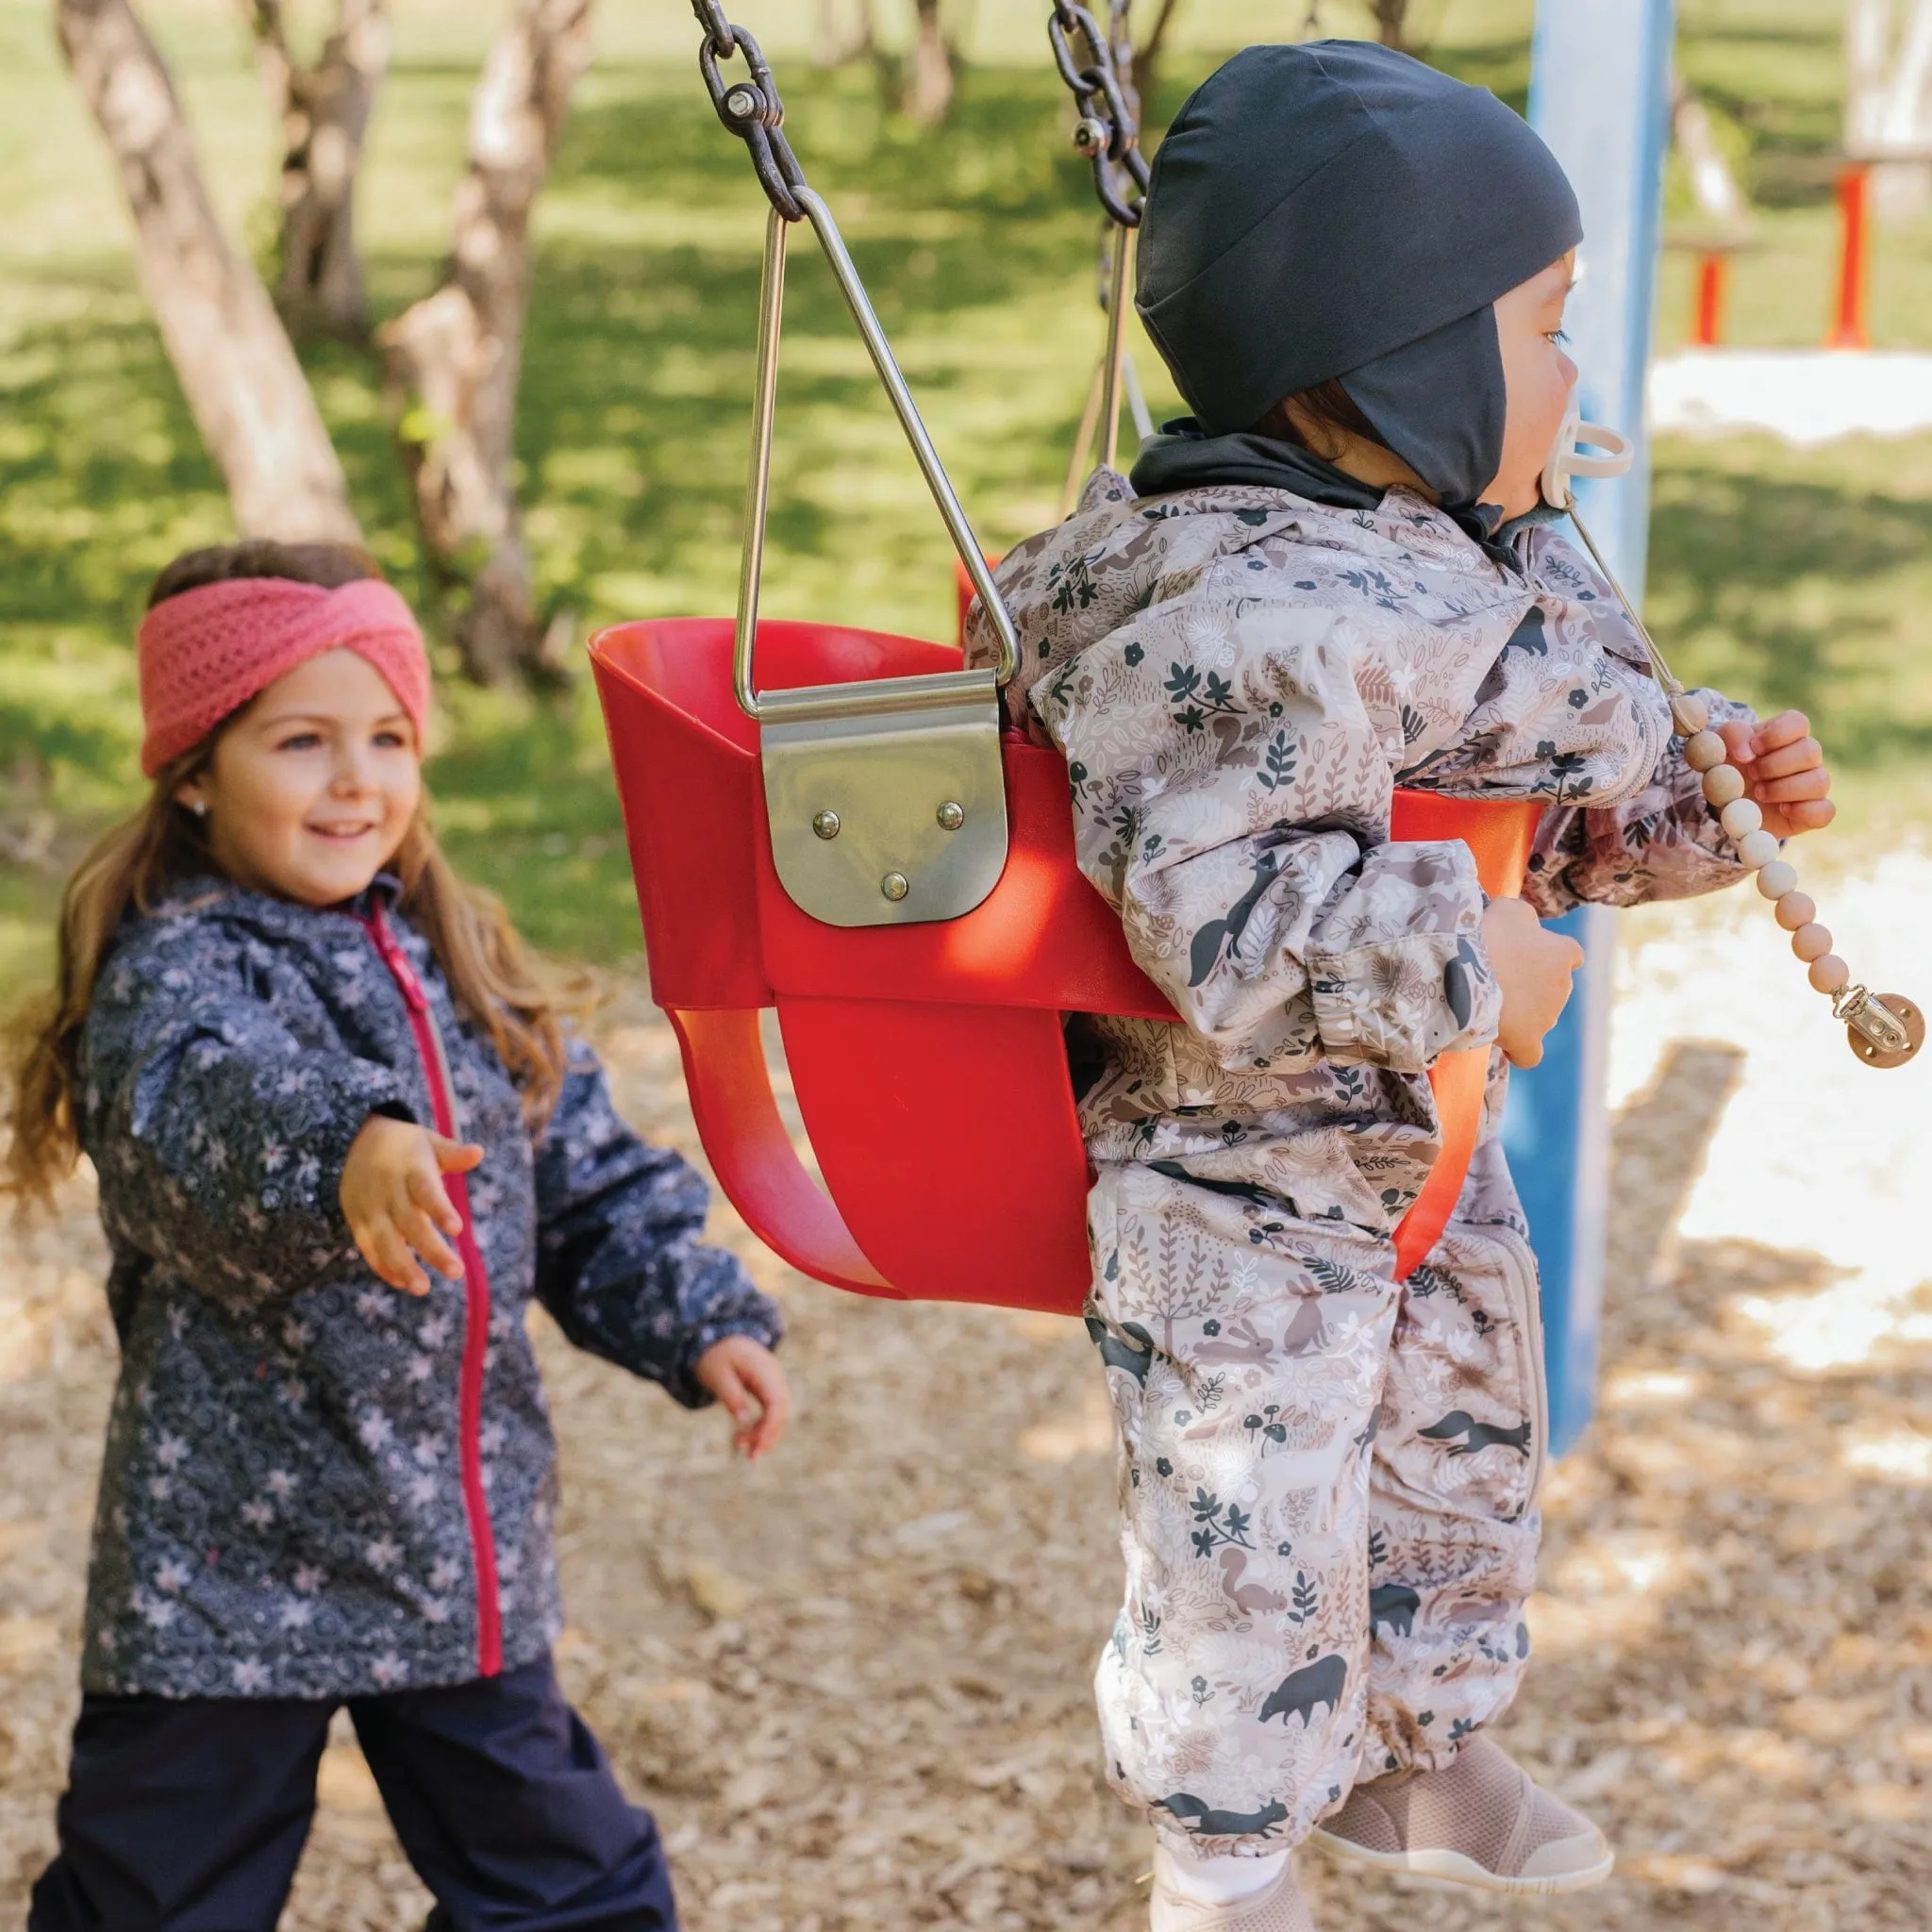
pixel 1277 1908
pixel 1480 1822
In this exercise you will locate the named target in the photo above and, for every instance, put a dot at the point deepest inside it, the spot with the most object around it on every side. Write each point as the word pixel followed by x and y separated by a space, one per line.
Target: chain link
pixel 1108 131
pixel 750 108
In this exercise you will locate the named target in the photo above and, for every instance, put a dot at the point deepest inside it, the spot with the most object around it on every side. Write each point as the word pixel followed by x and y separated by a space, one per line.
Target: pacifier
pixel 1567 458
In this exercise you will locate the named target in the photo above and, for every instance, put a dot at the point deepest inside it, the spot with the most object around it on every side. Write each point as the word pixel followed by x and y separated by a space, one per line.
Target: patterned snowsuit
pixel 1327 1480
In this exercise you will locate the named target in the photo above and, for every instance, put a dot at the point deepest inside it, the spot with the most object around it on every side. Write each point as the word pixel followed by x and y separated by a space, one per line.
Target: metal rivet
pixel 951 816
pixel 825 824
pixel 895 887
pixel 744 103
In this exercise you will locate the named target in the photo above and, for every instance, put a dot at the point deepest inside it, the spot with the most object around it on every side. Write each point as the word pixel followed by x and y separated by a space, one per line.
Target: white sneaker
pixel 1278 1908
pixel 1480 1821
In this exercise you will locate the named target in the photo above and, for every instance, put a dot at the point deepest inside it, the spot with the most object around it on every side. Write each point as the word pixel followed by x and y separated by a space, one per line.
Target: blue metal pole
pixel 1599 93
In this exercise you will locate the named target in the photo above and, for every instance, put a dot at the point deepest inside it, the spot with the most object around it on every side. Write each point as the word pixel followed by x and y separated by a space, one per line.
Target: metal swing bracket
pixel 886 799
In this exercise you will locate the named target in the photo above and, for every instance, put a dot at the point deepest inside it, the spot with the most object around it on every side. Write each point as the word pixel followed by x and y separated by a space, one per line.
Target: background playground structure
pixel 871 1668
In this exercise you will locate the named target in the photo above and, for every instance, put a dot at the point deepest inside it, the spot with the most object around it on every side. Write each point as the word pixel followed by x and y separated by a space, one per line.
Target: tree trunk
pixel 1902 189
pixel 324 114
pixel 928 92
pixel 1144 64
pixel 1391 22
pixel 230 350
pixel 453 361
pixel 1713 185
pixel 844 35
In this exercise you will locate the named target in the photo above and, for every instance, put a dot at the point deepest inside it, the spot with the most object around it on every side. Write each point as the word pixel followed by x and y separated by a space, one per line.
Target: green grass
pixel 1794 578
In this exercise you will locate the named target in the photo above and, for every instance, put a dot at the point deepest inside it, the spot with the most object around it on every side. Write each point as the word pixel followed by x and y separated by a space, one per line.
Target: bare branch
pixel 928 90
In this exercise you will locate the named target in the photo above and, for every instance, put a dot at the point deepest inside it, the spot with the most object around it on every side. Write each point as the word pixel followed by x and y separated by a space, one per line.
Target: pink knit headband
pixel 204 654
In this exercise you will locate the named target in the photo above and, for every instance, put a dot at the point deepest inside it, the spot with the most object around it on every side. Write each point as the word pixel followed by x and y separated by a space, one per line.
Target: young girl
pixel 343 1135
pixel 1332 581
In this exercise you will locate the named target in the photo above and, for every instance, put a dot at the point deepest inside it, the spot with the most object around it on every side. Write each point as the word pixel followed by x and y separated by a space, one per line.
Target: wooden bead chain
pixel 1884 1029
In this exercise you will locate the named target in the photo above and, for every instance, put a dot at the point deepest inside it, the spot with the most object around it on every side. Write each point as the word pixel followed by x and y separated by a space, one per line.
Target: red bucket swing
pixel 852 840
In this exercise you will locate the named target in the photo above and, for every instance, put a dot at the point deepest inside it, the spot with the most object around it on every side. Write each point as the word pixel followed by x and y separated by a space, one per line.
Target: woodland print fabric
pixel 281 1510
pixel 1327 1479
pixel 1325 1486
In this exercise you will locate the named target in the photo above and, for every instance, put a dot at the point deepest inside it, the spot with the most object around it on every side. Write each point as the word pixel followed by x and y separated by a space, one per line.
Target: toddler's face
pixel 312 786
pixel 1538 379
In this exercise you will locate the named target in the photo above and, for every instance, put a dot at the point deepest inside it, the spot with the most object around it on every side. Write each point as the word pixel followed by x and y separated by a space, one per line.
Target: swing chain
pixel 750 109
pixel 1107 133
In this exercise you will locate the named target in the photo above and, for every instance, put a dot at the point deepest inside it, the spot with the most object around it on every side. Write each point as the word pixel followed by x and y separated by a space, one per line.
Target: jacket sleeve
pixel 1661 843
pixel 619 1261
pixel 1237 819
pixel 220 1137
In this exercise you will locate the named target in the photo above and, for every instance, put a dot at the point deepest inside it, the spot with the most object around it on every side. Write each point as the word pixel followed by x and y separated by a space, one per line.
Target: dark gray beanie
pixel 1338 209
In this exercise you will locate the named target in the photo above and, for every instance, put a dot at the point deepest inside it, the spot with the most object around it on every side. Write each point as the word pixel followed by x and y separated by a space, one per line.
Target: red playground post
pixel 1849 331
pixel 1707 328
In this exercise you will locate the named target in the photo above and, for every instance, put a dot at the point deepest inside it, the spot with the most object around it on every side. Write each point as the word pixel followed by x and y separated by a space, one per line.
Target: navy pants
pixel 188 1815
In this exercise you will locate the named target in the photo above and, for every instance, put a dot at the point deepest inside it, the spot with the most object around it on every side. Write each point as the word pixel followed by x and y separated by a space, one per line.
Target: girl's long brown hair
pixel 497 982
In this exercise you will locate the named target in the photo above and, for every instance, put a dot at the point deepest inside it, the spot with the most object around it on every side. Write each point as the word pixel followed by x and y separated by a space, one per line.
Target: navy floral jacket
pixel 316 1486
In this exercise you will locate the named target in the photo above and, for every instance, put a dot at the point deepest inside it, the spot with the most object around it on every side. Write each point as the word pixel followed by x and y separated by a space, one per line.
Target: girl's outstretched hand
pixel 395 1204
pixel 1783 768
pixel 749 1383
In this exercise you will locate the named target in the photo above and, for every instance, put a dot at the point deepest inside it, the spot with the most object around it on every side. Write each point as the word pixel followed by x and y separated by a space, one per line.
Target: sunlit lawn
pixel 1796 577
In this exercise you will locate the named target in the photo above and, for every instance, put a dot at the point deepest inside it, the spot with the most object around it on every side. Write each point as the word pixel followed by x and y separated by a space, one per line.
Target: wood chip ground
pixel 852 1682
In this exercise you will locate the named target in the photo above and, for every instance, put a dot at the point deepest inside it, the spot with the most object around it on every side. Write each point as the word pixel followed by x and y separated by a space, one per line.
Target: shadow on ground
pixel 853 1682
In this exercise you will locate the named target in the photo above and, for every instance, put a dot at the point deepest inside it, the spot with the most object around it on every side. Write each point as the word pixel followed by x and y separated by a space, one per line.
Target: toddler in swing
pixel 343 1134
pixel 1335 579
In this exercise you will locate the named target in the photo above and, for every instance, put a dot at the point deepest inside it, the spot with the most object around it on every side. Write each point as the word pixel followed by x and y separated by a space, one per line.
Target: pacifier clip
pixel 1883 1029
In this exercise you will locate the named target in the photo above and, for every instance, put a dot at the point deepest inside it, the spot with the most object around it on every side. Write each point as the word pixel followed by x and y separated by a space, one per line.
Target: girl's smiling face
pixel 1537 377
pixel 312 787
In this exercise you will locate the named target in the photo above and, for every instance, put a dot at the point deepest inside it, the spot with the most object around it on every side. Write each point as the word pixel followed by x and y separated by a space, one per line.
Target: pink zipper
pixel 476 1298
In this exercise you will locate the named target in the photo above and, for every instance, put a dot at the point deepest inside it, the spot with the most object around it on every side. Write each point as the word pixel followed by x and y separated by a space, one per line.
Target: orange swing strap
pixel 1457 1081
pixel 1499 835
pixel 752 1156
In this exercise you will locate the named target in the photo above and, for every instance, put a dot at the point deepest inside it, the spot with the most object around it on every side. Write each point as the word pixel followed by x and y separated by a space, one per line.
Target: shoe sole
pixel 1453 1868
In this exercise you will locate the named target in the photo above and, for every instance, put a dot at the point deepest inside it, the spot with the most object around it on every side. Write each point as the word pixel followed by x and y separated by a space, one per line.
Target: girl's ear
pixel 190 796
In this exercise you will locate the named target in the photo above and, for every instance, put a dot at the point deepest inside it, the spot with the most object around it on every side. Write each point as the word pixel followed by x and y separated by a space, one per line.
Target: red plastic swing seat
pixel 927 1062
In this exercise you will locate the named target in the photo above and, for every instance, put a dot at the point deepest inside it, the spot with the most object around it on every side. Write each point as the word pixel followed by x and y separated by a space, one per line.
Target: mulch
pixel 852 1682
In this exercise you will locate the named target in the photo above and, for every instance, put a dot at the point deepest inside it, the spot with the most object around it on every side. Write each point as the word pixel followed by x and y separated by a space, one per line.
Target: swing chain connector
pixel 1108 132
pixel 750 109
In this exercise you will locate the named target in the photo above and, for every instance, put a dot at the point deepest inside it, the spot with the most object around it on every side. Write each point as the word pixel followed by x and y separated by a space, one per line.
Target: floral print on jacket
pixel 1327 1478
pixel 1238 680
pixel 284 1508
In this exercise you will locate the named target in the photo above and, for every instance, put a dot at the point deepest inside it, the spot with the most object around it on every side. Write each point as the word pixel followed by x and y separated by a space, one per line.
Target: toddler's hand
pixel 395 1201
pixel 1532 968
pixel 748 1381
pixel 1783 767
